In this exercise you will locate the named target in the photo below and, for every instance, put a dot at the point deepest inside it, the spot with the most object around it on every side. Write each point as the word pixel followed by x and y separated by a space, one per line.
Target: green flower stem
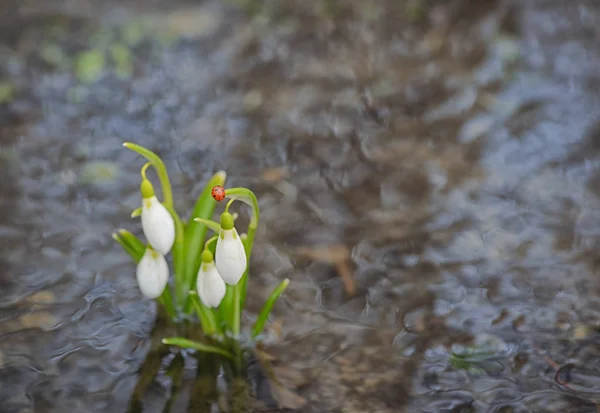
pixel 207 312
pixel 166 300
pixel 206 348
pixel 239 290
pixel 247 196
pixel 178 248
pixel 268 307
pixel 181 289
pixel 160 168
pixel 210 241
pixel 207 318
pixel 196 234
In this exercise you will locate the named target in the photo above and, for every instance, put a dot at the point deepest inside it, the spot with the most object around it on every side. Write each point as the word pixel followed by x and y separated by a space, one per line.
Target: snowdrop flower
pixel 230 255
pixel 209 285
pixel 157 222
pixel 152 273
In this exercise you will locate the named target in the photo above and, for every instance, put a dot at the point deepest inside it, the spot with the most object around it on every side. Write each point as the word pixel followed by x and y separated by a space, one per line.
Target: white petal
pixel 230 256
pixel 210 285
pixel 158 225
pixel 152 274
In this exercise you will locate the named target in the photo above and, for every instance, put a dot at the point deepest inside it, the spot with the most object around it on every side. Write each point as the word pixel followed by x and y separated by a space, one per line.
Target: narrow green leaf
pixel 207 223
pixel 127 248
pixel 266 310
pixel 166 300
pixel 207 319
pixel 134 242
pixel 195 233
pixel 130 243
pixel 195 345
pixel 136 213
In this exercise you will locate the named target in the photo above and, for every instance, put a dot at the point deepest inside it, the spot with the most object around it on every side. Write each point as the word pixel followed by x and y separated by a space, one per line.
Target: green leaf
pixel 130 243
pixel 166 300
pixel 195 233
pixel 136 213
pixel 195 345
pixel 126 248
pixel 215 226
pixel 268 307
pixel 207 319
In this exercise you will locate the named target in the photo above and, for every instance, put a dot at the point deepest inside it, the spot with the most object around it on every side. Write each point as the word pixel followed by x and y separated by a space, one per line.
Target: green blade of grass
pixel 195 345
pixel 195 233
pixel 266 310
pixel 206 316
pixel 132 253
pixel 130 243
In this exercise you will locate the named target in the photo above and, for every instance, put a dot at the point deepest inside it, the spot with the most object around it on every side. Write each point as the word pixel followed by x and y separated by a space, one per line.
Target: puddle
pixel 427 173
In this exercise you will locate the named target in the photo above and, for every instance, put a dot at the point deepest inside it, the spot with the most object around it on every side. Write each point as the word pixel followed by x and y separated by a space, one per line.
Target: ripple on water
pixel 443 155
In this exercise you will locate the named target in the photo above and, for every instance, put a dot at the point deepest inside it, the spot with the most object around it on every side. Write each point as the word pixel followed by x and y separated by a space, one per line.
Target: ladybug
pixel 218 193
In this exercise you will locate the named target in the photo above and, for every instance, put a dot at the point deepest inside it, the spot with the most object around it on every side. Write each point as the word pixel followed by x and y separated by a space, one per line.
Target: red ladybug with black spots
pixel 218 193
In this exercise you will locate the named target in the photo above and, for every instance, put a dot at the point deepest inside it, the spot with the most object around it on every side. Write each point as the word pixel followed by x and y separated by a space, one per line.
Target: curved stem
pixel 247 196
pixel 143 171
pixel 239 291
pixel 211 240
pixel 160 167
pixel 178 248
pixel 229 204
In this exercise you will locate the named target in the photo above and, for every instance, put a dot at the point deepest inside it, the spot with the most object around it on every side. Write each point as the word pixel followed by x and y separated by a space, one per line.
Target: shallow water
pixel 444 155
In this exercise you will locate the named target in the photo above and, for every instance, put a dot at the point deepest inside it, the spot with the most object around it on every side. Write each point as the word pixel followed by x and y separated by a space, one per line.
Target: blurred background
pixel 427 170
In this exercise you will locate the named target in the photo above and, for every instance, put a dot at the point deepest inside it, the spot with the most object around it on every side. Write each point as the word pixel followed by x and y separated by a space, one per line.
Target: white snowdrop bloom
pixel 209 285
pixel 157 223
pixel 152 273
pixel 230 255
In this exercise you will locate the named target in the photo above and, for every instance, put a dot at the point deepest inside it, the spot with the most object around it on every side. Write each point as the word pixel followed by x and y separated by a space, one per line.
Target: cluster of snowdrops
pixel 210 274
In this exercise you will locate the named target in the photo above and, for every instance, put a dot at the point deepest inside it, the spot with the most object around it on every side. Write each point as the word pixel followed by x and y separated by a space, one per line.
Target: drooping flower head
pixel 209 284
pixel 157 223
pixel 230 257
pixel 152 273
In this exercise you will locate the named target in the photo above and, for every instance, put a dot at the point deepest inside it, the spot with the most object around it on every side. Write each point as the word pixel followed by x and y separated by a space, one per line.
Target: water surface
pixel 442 156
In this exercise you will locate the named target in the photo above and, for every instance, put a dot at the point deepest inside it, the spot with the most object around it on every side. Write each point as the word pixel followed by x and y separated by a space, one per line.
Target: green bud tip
pixel 147 189
pixel 226 221
pixel 207 257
